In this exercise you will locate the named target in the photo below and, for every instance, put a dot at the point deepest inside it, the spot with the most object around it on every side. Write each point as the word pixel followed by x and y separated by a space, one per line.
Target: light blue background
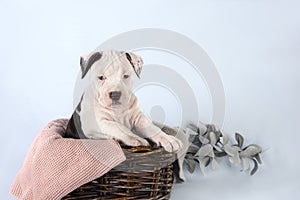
pixel 254 44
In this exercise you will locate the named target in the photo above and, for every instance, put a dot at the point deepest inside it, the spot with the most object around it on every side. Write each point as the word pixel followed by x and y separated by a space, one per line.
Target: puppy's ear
pixel 86 62
pixel 137 63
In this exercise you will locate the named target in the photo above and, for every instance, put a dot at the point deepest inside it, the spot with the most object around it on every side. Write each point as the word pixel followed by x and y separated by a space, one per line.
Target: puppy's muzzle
pixel 115 95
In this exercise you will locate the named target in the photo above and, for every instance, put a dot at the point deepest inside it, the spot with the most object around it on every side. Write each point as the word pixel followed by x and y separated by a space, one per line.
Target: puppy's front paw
pixel 168 142
pixel 135 141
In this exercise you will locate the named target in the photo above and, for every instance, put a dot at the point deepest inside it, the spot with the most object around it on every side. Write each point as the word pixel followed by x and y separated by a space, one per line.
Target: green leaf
pixel 189 156
pixel 218 148
pixel 206 161
pixel 204 150
pixel 202 168
pixel 254 168
pixel 220 154
pixel 193 149
pixel 235 159
pixel 213 138
pixel 191 165
pixel 203 140
pixel 214 164
pixel 211 154
pixel 240 139
pixel 190 131
pixel 246 164
pixel 251 150
pixel 192 127
pixel 231 151
pixel 225 139
pixel 201 128
pixel 257 157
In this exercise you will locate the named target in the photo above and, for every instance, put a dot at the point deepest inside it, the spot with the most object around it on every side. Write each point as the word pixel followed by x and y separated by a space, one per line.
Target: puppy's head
pixel 112 74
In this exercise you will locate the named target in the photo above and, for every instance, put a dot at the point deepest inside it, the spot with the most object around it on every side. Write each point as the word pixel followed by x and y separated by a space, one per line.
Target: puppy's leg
pixel 170 143
pixel 147 129
pixel 120 132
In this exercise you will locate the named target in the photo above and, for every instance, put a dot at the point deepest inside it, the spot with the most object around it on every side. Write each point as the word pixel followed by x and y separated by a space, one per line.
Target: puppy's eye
pixel 101 78
pixel 126 76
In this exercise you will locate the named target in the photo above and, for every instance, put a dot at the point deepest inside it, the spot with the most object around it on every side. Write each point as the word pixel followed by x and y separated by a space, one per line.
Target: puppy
pixel 108 109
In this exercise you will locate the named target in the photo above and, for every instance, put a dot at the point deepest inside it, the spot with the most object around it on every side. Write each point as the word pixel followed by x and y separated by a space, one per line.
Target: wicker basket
pixel 147 173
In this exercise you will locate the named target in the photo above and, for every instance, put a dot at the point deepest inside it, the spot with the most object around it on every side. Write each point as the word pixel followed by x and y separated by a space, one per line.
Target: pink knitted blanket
pixel 54 166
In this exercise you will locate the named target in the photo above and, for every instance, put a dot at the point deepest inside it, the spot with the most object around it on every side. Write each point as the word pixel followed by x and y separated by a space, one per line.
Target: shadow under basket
pixel 147 173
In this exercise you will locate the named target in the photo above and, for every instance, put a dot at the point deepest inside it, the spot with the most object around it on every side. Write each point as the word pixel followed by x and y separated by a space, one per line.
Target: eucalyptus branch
pixel 208 142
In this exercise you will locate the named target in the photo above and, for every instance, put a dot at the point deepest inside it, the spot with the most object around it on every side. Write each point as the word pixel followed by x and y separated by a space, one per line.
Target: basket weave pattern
pixel 147 173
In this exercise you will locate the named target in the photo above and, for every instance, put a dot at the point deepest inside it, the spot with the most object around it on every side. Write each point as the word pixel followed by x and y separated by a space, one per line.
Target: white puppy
pixel 108 108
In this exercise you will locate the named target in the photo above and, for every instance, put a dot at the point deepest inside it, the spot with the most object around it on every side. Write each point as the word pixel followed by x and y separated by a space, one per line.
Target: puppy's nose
pixel 115 95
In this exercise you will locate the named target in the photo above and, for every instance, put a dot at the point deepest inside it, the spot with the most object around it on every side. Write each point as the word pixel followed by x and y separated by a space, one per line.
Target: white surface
pixel 254 44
